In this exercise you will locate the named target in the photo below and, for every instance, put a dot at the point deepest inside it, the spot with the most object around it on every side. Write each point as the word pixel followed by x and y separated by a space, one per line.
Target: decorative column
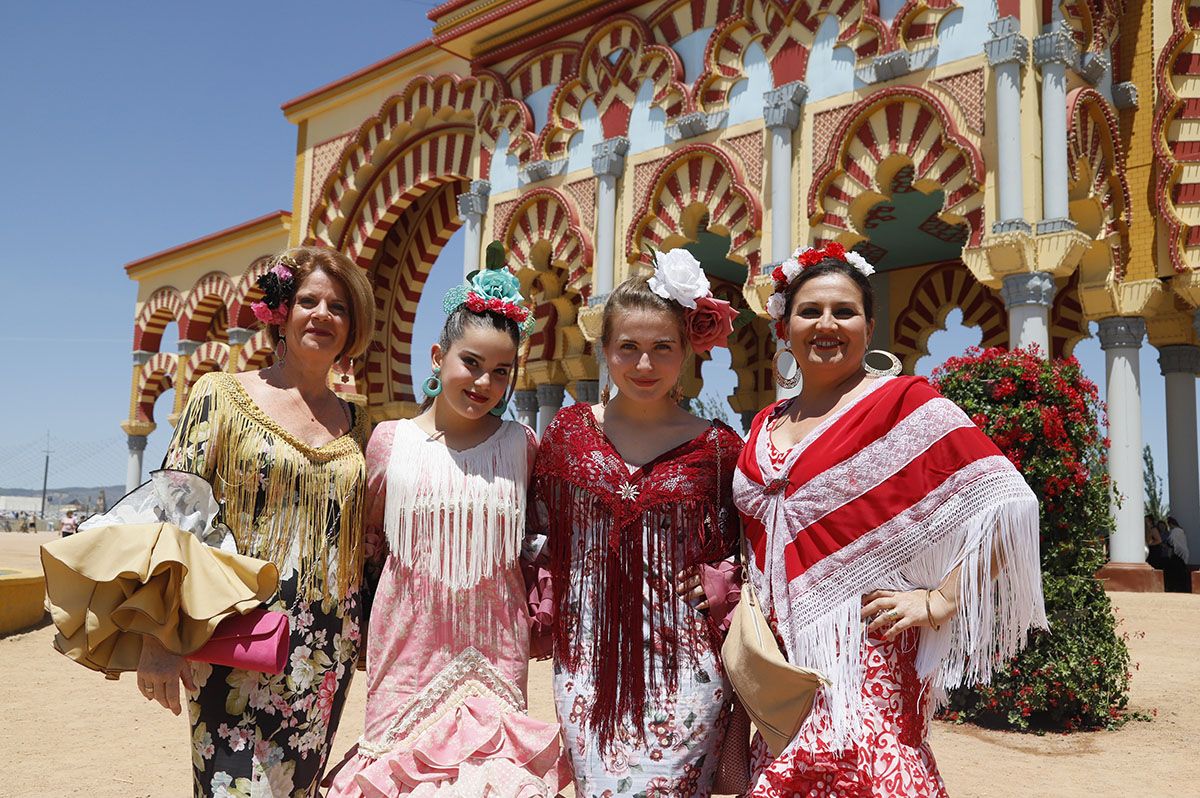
pixel 186 349
pixel 472 205
pixel 608 162
pixel 1028 298
pixel 133 470
pixel 526 403
pixel 550 401
pixel 587 391
pixel 781 113
pixel 1179 365
pixel 1008 51
pixel 1121 338
pixel 1053 51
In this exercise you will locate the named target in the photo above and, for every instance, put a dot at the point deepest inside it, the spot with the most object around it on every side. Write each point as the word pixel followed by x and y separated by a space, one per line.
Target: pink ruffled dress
pixel 448 639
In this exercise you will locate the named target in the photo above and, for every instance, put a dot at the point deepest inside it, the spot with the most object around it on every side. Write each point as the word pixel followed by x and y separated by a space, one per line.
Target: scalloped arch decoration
pixel 618 56
pixel 1176 140
pixel 699 173
pixel 211 292
pixel 246 292
pixel 907 121
pixel 257 353
pixel 1093 138
pixel 156 377
pixel 209 356
pixel 163 307
pixel 941 289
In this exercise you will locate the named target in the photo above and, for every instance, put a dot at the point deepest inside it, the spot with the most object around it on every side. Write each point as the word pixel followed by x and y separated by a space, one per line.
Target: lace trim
pixel 344 445
pixel 469 674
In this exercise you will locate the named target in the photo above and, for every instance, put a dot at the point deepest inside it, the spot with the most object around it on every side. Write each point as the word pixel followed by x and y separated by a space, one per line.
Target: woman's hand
pixel 159 673
pixel 896 611
pixel 690 589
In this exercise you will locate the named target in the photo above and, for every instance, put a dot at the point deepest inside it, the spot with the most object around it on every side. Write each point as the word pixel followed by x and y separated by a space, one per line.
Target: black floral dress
pixel 255 734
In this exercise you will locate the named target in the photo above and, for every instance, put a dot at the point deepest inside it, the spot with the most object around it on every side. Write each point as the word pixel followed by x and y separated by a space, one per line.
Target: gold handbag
pixel 777 695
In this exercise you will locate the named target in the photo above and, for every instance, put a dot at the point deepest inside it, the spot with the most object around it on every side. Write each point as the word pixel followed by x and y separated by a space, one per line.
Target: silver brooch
pixel 629 491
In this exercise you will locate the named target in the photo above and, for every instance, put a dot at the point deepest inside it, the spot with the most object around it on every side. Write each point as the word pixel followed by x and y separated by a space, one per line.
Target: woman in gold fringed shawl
pixel 284 455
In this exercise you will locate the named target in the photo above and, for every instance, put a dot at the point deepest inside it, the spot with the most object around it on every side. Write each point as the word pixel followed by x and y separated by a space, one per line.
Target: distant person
pixel 1156 547
pixel 1177 538
pixel 69 524
pixel 1176 577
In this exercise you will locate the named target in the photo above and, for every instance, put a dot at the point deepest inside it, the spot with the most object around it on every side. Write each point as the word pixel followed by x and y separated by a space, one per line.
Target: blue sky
pixel 136 126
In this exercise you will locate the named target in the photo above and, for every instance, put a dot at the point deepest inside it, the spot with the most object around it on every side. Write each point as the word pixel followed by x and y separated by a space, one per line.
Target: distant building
pixel 20 504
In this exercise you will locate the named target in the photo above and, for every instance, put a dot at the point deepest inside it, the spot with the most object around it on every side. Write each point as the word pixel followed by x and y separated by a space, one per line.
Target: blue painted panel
pixel 746 97
pixel 963 31
pixel 830 68
pixel 691 51
pixel 503 172
pixel 539 106
pixel 647 124
pixel 579 150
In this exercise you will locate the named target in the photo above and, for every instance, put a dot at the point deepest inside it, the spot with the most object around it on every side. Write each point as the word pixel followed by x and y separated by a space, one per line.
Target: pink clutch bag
pixel 256 641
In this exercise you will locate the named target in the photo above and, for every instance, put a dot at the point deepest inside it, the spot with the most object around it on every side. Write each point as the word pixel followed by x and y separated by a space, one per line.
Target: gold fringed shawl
pixel 281 496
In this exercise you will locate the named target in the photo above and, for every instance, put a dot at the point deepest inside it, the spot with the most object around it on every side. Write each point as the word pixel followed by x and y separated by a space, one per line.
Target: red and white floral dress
pixel 641 695
pixel 894 491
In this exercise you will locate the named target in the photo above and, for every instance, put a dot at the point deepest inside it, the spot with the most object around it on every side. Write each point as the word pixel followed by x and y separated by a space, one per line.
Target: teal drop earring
pixel 501 406
pixel 433 386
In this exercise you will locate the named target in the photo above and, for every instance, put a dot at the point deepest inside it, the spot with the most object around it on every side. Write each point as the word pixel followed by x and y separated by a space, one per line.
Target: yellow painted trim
pixel 299 206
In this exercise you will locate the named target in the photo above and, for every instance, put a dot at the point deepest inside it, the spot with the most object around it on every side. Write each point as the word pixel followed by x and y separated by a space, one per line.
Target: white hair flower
pixel 679 278
pixel 775 306
pixel 791 268
pixel 859 262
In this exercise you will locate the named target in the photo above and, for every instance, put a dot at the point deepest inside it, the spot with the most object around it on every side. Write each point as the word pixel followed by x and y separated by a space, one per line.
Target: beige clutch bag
pixel 776 694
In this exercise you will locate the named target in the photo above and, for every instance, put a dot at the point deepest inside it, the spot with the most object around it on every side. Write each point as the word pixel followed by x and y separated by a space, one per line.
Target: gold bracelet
pixel 929 612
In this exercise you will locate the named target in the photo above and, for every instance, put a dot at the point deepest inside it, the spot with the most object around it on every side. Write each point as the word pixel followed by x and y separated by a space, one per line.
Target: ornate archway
pixel 206 307
pixel 940 290
pixel 157 376
pixel 163 307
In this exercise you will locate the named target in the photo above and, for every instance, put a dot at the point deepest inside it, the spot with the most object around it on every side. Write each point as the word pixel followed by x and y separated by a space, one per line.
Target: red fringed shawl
pixel 894 491
pixel 604 523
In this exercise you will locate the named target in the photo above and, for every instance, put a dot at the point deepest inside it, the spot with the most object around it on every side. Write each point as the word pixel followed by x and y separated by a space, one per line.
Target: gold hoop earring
pixel 780 380
pixel 892 370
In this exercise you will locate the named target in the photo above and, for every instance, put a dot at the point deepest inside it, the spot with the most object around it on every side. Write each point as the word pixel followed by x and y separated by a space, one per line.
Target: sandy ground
pixel 68 731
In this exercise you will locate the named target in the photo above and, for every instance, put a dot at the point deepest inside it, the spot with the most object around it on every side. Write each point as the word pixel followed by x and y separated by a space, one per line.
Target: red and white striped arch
pixel 257 353
pixel 209 356
pixel 403 264
pixel 940 290
pixel 906 121
pixel 552 255
pixel 435 158
pixel 619 55
pixel 1093 139
pixel 157 376
pixel 210 293
pixel 163 307
pixel 1176 135
pixel 704 175
pixel 1068 325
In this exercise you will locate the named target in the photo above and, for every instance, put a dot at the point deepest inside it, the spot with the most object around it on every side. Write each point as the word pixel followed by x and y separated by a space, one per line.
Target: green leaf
pixel 744 317
pixel 496 256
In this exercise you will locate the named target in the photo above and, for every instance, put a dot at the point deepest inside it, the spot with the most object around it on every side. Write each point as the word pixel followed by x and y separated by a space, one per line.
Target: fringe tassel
pixel 281 496
pixel 457 517
pixel 994 618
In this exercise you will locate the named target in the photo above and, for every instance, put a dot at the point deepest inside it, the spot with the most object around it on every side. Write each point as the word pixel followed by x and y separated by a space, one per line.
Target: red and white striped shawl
pixel 893 491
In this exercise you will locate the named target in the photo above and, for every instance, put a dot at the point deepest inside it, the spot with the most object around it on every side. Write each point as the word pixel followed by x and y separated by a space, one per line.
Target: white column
pixel 527 406
pixel 608 163
pixel 1121 339
pixel 550 401
pixel 587 391
pixel 472 205
pixel 1053 51
pixel 1179 365
pixel 781 113
pixel 1007 52
pixel 1028 298
pixel 133 469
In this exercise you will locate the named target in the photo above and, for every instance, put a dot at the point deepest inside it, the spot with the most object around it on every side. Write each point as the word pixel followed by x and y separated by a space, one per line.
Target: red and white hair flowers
pixel 801 259
pixel 678 277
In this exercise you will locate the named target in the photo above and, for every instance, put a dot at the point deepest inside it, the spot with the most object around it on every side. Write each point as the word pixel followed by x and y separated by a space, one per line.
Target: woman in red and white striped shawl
pixel 894 547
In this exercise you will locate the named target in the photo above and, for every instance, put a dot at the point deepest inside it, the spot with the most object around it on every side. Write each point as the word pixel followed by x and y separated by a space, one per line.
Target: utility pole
pixel 45 475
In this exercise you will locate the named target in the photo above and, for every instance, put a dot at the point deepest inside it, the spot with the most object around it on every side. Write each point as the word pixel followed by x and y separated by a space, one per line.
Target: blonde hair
pixel 635 294
pixel 303 261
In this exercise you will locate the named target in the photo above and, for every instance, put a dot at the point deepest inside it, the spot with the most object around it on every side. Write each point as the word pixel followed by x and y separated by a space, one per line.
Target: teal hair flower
pixel 492 289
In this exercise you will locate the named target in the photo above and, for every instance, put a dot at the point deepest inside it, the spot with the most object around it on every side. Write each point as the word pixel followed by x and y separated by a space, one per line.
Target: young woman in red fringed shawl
pixel 894 548
pixel 635 496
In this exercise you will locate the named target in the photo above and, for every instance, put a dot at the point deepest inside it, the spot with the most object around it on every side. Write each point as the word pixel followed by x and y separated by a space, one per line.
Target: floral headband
pixel 492 289
pixel 801 259
pixel 708 321
pixel 278 284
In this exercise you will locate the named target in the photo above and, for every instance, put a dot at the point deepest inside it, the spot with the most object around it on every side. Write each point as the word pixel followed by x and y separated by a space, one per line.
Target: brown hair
pixel 304 261
pixel 831 266
pixel 635 294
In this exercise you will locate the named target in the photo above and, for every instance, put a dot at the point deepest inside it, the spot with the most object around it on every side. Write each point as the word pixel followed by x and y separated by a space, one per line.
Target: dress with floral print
pixel 257 734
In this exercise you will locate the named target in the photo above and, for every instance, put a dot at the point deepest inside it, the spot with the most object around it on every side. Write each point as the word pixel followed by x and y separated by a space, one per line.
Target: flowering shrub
pixel 1045 416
